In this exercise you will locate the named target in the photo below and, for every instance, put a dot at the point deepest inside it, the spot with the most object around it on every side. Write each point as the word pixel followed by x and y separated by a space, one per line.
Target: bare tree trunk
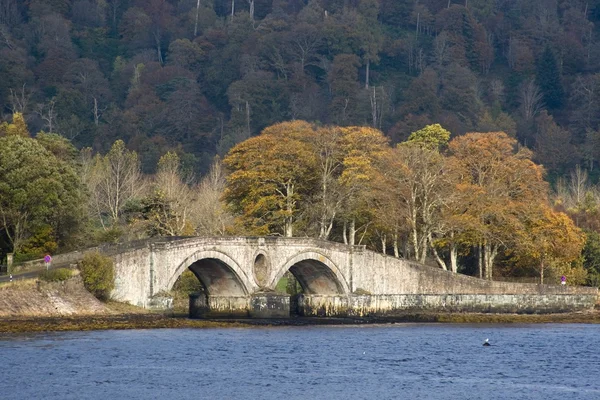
pixel 157 40
pixel 489 255
pixel 344 235
pixel 367 73
pixel 352 232
pixel 251 3
pixel 96 112
pixel 383 244
pixel 374 109
pixel 232 8
pixel 290 210
pixel 197 15
pixel 542 272
pixel 248 117
pixel 439 259
pixel 417 30
pixel 480 260
pixel 453 258
pixel 396 251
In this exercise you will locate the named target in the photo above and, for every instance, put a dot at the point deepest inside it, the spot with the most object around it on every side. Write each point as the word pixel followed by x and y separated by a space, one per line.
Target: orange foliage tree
pixel 497 182
pixel 547 239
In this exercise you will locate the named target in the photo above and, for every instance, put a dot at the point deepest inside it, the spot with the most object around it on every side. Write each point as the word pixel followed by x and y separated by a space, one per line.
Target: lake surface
pixel 400 361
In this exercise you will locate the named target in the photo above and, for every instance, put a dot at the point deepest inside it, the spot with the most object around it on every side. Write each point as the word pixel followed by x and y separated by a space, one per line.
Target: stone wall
pixel 396 305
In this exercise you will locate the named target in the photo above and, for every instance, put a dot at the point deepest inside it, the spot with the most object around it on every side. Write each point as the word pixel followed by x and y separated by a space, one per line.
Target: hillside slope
pixel 31 298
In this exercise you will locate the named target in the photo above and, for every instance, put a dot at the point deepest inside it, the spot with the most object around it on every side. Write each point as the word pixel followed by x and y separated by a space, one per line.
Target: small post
pixel 9 263
pixel 47 261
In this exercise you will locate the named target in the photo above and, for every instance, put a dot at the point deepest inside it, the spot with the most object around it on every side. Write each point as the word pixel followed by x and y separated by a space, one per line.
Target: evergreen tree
pixel 549 81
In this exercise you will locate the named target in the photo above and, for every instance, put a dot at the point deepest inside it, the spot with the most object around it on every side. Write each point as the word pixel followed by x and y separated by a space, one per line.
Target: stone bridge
pixel 239 275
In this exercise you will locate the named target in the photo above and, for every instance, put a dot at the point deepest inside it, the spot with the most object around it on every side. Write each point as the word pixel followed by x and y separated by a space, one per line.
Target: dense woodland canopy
pixel 198 76
pixel 162 86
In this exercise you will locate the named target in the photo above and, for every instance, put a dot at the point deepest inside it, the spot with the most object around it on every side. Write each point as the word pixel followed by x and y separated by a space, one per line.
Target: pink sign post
pixel 47 261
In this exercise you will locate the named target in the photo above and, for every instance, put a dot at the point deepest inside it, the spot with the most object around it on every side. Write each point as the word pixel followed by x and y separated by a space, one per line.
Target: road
pixel 29 274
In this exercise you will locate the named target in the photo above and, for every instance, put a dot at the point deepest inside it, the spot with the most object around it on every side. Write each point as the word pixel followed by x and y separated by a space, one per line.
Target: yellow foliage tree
pixel 548 239
pixel 497 183
pixel 270 175
pixel 17 127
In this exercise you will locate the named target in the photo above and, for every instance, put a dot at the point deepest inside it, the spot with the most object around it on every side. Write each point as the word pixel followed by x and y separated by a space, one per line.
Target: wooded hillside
pixel 198 76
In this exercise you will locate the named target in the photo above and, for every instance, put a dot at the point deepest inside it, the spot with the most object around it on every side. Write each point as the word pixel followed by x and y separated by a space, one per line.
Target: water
pixel 402 361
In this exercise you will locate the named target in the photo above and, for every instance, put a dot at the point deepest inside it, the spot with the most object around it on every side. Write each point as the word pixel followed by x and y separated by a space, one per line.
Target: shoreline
pixel 12 325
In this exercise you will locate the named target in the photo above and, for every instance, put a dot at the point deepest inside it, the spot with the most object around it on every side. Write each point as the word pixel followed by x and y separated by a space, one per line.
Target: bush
pixel 187 283
pixel 98 274
pixel 56 275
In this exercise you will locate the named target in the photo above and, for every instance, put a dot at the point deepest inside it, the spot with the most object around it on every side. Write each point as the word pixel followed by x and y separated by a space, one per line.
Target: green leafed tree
pixel 549 80
pixel 433 137
pixel 38 192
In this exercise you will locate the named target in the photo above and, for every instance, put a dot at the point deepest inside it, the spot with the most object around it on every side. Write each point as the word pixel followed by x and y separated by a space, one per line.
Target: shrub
pixel 98 274
pixel 56 275
pixel 187 283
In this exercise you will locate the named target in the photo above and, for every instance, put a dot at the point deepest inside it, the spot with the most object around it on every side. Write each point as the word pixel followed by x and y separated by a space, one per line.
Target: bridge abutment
pixel 258 305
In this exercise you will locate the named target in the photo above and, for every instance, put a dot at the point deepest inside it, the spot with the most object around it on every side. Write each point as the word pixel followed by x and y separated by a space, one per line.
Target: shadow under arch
pixel 316 273
pixel 219 274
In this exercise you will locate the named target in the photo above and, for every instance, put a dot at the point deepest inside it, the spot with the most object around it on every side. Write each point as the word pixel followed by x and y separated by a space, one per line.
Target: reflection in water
pixel 409 361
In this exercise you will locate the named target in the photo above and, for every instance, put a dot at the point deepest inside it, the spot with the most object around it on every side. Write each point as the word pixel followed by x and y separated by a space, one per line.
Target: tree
pixel 343 83
pixel 98 274
pixel 113 180
pixel 416 187
pixel 433 137
pixel 38 192
pixel 365 147
pixel 213 217
pixel 170 208
pixel 548 239
pixel 267 184
pixel 553 146
pixel 591 257
pixel 17 127
pixel 549 80
pixel 500 181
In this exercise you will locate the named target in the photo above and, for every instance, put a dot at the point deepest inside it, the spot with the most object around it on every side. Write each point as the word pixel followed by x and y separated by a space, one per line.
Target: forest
pixel 171 84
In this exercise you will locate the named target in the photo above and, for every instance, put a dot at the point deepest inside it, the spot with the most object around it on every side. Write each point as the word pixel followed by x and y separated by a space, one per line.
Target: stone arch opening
pixel 217 278
pixel 218 274
pixel 315 278
pixel 315 273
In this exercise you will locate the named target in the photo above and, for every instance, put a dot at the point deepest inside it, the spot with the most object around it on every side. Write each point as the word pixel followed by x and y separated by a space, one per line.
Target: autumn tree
pixel 267 184
pixel 272 191
pixel 501 180
pixel 416 187
pixel 547 239
pixel 365 147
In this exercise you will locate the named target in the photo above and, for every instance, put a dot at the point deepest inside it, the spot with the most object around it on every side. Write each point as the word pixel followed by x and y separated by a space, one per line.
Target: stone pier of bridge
pixel 239 276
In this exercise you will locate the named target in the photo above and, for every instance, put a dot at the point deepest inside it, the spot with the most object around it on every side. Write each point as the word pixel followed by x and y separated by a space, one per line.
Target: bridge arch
pixel 219 273
pixel 315 272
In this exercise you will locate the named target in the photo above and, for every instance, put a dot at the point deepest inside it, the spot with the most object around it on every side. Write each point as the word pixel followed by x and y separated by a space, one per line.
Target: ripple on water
pixel 413 361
